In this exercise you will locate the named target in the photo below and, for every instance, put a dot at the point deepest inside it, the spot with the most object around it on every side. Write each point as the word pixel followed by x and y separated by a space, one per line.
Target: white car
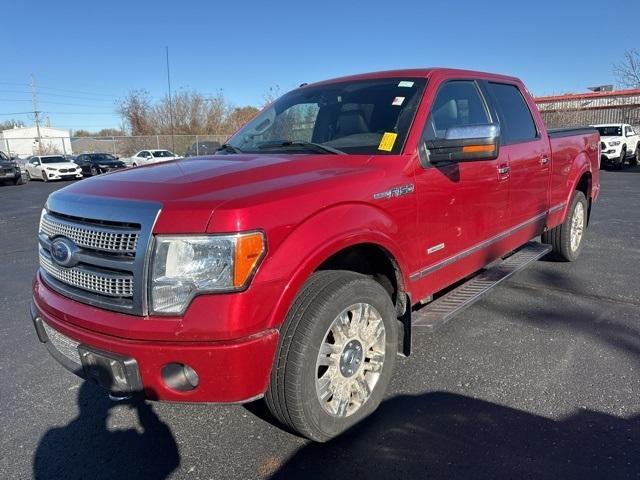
pixel 619 142
pixel 145 157
pixel 51 167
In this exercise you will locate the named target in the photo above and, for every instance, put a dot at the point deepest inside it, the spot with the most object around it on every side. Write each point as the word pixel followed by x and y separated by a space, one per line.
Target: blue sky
pixel 86 55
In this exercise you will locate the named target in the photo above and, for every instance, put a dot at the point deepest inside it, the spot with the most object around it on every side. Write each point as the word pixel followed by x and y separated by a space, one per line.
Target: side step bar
pixel 443 309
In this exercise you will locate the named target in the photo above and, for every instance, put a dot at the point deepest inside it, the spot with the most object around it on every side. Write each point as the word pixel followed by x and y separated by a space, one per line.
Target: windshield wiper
pixel 227 147
pixel 316 147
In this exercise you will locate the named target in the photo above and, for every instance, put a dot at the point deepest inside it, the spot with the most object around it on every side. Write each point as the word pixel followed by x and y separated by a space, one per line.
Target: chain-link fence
pixel 122 146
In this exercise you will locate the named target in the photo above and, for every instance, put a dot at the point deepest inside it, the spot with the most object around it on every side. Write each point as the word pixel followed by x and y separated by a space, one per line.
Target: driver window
pixel 458 103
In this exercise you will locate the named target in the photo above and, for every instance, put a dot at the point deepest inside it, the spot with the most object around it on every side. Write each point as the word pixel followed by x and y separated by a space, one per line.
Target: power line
pixel 58 95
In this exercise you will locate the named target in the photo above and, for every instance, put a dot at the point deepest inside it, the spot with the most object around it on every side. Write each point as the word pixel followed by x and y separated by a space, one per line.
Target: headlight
pixel 185 266
pixel 614 143
pixel 51 169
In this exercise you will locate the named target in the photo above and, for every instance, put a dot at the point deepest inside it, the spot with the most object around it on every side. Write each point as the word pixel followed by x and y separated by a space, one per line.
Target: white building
pixel 23 141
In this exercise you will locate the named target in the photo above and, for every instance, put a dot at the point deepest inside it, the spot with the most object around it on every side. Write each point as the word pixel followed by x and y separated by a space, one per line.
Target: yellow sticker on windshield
pixel 387 141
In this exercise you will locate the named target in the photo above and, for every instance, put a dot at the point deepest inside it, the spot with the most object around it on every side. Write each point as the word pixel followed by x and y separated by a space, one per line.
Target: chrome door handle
pixel 503 170
pixel 544 160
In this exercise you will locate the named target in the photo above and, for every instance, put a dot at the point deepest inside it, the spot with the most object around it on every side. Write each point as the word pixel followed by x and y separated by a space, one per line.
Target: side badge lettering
pixel 395 192
pixel 435 248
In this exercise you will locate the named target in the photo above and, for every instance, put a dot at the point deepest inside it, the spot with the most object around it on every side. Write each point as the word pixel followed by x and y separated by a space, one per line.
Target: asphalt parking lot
pixel 539 380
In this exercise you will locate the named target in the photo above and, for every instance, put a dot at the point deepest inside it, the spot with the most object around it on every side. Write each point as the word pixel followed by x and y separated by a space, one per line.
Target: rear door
pixel 528 154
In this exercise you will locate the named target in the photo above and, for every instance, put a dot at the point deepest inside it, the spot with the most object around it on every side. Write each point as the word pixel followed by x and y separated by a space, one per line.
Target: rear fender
pixel 579 167
pixel 317 239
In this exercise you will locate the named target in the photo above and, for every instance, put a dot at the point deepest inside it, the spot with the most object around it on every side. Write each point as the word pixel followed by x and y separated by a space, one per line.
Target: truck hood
pixel 190 189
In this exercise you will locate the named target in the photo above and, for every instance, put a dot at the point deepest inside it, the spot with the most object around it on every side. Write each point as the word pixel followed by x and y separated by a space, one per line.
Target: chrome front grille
pixel 107 239
pixel 107 283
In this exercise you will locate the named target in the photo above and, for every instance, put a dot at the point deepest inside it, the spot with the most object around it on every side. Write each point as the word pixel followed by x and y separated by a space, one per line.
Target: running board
pixel 443 309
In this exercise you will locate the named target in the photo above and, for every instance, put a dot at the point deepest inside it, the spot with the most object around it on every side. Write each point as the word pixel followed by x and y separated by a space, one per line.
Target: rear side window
pixel 458 103
pixel 516 122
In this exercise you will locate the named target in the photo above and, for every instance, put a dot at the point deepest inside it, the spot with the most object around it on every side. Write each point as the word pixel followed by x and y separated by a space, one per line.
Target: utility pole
pixel 173 147
pixel 36 113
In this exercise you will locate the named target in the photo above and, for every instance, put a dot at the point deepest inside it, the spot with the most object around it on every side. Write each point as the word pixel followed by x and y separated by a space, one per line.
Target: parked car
pixel 51 167
pixel 619 143
pixel 298 265
pixel 10 170
pixel 145 157
pixel 202 148
pixel 97 163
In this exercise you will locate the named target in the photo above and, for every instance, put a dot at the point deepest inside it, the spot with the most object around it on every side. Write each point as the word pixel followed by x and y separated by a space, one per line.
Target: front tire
pixel 567 238
pixel 623 156
pixel 27 175
pixel 45 178
pixel 635 160
pixel 335 359
pixel 94 171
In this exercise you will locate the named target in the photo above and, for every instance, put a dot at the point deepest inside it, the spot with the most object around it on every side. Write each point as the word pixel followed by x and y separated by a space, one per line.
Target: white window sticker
pixel 405 83
pixel 398 101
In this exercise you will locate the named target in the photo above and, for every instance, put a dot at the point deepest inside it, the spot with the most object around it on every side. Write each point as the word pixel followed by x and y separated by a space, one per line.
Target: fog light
pixel 179 376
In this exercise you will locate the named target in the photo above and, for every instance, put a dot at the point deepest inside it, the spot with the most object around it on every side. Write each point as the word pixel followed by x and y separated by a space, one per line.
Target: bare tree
pixel 9 124
pixel 135 109
pixel 628 71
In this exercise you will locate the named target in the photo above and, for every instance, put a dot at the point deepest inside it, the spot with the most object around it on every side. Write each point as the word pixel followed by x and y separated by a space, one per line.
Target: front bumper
pixel 229 372
pixel 52 175
pixel 7 174
pixel 611 153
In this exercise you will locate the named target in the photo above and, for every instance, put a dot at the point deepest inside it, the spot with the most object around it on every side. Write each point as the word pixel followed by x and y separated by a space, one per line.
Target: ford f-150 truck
pixel 296 263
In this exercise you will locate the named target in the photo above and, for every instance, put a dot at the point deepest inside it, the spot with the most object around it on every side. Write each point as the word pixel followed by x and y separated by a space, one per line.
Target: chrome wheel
pixel 577 226
pixel 350 360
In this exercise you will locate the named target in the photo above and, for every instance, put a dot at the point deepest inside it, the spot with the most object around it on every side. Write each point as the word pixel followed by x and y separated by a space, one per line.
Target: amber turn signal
pixel 250 249
pixel 478 148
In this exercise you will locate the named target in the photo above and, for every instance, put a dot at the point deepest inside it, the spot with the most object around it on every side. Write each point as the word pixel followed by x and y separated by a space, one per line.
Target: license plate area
pixel 118 374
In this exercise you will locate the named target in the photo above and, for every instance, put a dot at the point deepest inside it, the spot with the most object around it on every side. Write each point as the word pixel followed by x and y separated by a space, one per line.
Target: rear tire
pixel 567 238
pixel 336 354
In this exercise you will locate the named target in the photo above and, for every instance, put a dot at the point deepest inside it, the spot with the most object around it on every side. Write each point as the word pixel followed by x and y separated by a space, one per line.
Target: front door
pixel 461 205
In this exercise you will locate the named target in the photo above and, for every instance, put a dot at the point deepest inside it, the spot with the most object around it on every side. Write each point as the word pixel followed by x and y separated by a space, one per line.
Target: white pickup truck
pixel 619 142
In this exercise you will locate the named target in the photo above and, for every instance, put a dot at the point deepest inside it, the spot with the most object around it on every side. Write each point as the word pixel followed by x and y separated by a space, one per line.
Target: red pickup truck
pixel 297 261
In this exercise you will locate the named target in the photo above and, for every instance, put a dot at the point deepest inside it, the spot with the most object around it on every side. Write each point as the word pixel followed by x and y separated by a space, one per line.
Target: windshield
pixel 610 131
pixel 53 159
pixel 162 153
pixel 356 117
pixel 101 157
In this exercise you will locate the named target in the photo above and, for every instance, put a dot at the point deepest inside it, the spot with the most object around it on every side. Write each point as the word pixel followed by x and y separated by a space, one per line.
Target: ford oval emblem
pixel 63 252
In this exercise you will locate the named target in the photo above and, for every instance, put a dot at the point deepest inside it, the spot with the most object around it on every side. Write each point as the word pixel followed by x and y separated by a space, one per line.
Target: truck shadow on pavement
pixel 446 435
pixel 87 449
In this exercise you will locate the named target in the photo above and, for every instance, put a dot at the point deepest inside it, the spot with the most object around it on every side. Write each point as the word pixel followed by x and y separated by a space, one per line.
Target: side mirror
pixel 462 144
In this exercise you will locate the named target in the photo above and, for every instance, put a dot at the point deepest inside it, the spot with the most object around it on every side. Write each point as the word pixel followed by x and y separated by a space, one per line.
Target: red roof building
pixel 618 106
